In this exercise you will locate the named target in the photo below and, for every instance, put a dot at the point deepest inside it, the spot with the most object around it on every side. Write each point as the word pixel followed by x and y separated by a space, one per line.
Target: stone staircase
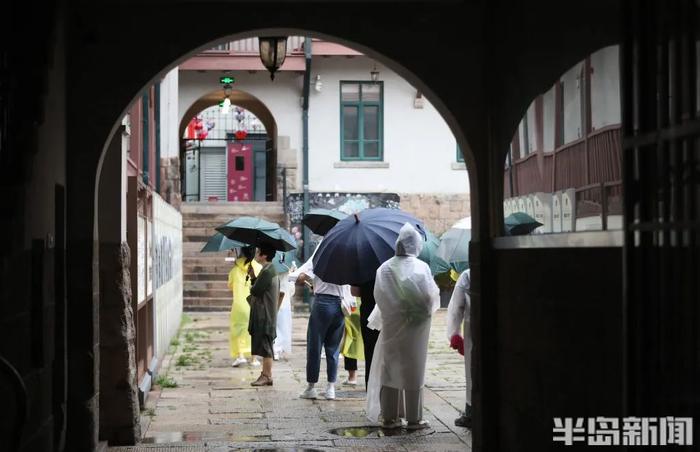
pixel 205 274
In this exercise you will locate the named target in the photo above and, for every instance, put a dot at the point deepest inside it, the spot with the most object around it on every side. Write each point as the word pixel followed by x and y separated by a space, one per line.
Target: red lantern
pixel 241 134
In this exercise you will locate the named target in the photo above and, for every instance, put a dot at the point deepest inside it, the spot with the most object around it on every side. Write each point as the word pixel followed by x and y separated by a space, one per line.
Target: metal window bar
pixel 661 173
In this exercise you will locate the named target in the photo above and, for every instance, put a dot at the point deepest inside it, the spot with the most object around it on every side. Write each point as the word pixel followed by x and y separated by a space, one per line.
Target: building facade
pixel 564 167
pixel 365 137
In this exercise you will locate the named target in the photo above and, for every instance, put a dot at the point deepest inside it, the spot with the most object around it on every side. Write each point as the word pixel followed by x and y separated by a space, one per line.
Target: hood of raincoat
pixel 409 242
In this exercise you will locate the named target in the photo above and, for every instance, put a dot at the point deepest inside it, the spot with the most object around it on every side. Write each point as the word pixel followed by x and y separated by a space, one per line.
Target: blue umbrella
pixel 219 242
pixel 256 231
pixel 354 249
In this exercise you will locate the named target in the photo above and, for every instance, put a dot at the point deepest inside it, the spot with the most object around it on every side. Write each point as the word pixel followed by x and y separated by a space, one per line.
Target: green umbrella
pixel 453 251
pixel 256 231
pixel 520 223
pixel 283 260
pixel 219 242
pixel 429 247
pixel 320 221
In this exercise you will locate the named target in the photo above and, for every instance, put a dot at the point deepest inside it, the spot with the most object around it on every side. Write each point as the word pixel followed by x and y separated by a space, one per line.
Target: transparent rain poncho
pixel 458 315
pixel 406 298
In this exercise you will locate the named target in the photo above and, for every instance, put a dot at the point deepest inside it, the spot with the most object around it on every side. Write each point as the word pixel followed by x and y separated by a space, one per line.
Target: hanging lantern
pixel 273 51
pixel 241 134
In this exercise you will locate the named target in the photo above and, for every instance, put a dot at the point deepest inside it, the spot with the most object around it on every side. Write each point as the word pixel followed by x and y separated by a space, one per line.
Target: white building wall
pixel 605 87
pixel 169 115
pixel 280 96
pixel 420 151
pixel 419 148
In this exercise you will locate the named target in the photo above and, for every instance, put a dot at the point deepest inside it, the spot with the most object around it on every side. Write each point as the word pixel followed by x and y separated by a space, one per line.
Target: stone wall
pixel 438 211
pixel 170 184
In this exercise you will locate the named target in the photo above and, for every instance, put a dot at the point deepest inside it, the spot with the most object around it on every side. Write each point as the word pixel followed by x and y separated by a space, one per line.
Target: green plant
pixel 175 342
pixel 165 381
pixel 186 360
pixel 149 412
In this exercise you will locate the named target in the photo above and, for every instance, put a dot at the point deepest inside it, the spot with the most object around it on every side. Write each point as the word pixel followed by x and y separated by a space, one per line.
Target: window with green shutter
pixel 361 120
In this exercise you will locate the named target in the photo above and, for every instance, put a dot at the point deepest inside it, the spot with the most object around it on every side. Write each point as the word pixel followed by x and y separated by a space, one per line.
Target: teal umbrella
pixel 320 221
pixel 429 247
pixel 520 223
pixel 283 260
pixel 219 242
pixel 257 232
pixel 453 251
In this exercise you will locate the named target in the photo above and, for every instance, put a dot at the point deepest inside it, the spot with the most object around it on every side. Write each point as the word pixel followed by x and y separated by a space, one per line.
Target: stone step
pixel 187 277
pixel 205 259
pixel 189 292
pixel 220 304
pixel 222 269
pixel 207 285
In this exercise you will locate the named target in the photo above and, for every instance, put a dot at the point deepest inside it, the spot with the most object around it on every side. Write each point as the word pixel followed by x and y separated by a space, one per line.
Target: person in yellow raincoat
pixel 352 347
pixel 239 283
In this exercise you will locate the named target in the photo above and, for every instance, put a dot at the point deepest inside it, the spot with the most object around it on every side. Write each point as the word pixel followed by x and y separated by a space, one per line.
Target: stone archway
pixel 470 101
pixel 278 153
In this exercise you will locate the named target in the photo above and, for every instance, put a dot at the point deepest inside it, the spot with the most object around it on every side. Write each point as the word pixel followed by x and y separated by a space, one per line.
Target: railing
pixel 250 46
pixel 600 199
pixel 591 160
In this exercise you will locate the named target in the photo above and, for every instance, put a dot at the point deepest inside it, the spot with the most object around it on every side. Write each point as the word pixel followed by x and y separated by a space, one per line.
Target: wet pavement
pixel 214 408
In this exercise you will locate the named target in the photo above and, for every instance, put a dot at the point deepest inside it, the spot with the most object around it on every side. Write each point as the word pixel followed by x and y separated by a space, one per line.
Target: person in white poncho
pixel 406 297
pixel 458 314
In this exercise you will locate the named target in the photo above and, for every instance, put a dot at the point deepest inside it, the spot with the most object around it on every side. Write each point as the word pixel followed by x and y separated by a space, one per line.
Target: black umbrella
pixel 354 249
pixel 320 221
pixel 256 231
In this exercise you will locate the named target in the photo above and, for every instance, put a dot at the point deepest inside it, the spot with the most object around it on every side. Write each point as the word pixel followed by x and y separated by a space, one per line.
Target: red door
pixel 240 172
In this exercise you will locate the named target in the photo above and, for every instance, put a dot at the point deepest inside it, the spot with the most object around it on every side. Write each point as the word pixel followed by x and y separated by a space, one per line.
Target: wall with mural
pixel 167 271
pixel 345 202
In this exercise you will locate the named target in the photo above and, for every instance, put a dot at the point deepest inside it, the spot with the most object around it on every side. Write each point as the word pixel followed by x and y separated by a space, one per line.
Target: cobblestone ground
pixel 214 408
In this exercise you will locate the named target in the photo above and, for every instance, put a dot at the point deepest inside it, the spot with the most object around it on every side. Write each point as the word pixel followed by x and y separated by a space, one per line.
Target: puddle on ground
pixel 368 432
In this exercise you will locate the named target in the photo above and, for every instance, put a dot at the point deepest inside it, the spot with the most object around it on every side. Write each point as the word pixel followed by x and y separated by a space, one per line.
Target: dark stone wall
pixel 559 352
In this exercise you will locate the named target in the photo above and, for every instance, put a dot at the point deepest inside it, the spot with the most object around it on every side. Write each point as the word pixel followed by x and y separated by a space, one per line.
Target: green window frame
pixel 365 148
pixel 460 157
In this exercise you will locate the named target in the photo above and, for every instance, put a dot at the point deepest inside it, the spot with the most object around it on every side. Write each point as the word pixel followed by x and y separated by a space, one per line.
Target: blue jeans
pixel 326 326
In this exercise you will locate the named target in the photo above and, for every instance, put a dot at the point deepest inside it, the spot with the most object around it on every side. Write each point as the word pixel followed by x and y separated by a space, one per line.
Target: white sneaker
pixel 239 362
pixel 255 363
pixel 309 393
pixel 350 382
pixel 330 392
pixel 418 425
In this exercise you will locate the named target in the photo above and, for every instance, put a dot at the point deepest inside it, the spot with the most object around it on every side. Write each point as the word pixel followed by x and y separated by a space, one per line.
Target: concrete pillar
pixel 118 396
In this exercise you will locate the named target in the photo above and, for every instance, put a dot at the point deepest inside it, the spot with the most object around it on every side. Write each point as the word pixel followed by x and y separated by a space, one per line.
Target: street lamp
pixel 273 50
pixel 374 73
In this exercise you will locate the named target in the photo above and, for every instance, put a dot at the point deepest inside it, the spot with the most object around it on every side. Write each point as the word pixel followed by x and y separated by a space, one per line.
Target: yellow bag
pixel 352 346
